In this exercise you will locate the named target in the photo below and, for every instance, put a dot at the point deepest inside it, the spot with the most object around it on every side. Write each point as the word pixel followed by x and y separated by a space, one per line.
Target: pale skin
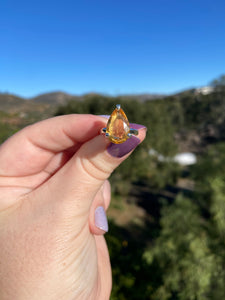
pixel 53 175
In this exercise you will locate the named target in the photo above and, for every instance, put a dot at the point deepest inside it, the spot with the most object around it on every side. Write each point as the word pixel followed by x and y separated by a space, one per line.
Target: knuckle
pixel 96 169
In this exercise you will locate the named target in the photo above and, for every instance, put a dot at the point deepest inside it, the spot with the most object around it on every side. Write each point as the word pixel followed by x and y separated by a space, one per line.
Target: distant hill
pixel 8 101
pixel 12 104
pixel 143 97
pixel 204 90
pixel 59 98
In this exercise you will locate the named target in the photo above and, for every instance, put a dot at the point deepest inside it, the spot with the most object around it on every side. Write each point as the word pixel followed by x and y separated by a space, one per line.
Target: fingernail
pixel 101 219
pixel 137 126
pixel 119 150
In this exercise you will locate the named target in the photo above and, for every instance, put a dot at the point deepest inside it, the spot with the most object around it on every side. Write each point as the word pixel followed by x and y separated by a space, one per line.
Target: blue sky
pixel 112 47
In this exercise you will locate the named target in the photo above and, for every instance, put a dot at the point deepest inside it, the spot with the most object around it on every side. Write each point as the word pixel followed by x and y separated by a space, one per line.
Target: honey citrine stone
pixel 118 127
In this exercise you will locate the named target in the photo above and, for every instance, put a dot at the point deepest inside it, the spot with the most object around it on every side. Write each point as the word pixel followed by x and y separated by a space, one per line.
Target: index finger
pixel 30 150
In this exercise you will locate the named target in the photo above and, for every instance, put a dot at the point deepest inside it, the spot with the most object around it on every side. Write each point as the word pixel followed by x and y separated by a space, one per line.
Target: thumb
pixel 77 183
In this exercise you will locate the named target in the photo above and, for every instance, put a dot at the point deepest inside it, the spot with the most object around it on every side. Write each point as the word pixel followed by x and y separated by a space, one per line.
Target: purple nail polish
pixel 101 219
pixel 119 150
pixel 137 126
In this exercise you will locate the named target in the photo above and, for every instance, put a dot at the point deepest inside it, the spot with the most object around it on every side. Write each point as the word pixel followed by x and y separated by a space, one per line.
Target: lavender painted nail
pixel 119 150
pixel 101 219
pixel 137 126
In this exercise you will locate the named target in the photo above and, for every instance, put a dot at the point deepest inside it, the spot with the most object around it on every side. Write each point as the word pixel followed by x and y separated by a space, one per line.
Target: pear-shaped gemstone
pixel 118 126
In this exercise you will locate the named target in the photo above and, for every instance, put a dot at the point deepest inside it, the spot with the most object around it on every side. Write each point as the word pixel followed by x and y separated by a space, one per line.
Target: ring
pixel 118 128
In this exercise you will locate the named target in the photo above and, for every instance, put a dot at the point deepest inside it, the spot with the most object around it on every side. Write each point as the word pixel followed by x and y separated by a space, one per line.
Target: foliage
pixel 190 249
pixel 219 84
pixel 5 129
pixel 5 132
pixel 132 277
pixel 208 169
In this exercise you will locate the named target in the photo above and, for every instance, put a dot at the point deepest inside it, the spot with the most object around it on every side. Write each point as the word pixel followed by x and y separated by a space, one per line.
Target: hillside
pixel 19 112
pixel 58 98
pixel 142 97
pixel 10 103
pixel 14 104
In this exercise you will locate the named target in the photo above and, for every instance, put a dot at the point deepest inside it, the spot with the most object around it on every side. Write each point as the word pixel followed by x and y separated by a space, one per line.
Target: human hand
pixel 53 176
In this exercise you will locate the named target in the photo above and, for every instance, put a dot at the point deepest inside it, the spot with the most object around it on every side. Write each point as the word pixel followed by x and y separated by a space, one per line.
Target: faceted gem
pixel 118 126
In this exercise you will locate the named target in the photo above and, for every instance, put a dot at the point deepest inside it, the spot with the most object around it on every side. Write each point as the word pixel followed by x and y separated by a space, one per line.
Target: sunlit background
pixel 164 62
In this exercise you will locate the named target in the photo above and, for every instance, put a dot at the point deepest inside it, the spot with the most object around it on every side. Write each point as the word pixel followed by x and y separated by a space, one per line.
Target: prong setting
pixel 134 131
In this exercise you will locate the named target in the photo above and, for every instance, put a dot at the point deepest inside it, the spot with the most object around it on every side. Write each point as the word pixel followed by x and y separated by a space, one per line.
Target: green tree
pixel 6 130
pixel 219 83
pixel 190 249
